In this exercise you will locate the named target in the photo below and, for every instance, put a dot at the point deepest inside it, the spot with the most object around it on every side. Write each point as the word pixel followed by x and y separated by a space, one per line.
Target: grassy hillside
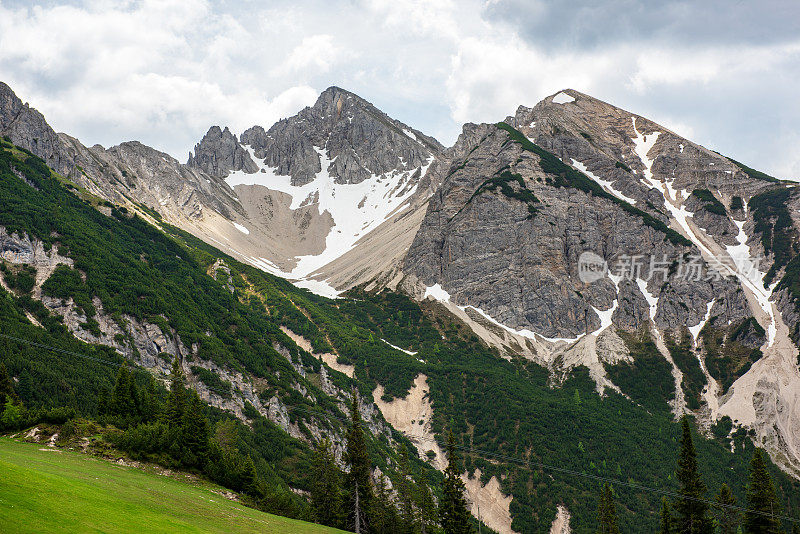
pixel 58 491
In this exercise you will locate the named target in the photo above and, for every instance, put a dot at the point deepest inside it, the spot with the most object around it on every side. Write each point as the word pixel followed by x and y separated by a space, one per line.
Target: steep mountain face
pixel 220 152
pixel 27 128
pixel 323 181
pixel 128 174
pixel 689 259
pixel 290 200
pixel 361 142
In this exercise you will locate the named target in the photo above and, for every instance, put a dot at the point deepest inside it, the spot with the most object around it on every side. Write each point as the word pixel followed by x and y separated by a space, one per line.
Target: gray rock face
pixel 486 250
pixel 27 128
pixel 359 140
pixel 219 152
pixel 716 224
pixel 128 172
pixel 601 136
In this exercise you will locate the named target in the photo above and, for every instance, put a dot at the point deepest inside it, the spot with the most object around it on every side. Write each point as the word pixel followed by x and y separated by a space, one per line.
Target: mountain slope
pixel 129 292
pixel 686 252
pixel 325 180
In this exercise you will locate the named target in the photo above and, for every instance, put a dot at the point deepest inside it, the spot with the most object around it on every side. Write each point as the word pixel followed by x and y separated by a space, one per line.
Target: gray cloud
pixel 163 71
pixel 554 24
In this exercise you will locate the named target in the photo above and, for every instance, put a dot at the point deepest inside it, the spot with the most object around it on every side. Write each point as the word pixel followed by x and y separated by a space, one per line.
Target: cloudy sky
pixel 723 73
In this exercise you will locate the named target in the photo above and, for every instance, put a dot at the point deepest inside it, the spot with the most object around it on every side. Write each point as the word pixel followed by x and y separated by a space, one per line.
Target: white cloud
pixel 491 77
pixel 317 52
pixel 682 65
pixel 164 71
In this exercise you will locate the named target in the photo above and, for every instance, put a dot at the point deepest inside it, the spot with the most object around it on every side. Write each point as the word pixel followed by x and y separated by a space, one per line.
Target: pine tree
pixel 761 500
pixel 150 404
pixel 194 432
pixel 249 476
pixel 7 385
pixel 176 401
pixel 666 517
pixel 425 505
pixel 692 511
pixel 453 514
pixel 124 402
pixel 405 492
pixel 727 517
pixel 11 417
pixel 607 512
pixel 383 515
pixel 359 487
pixel 326 490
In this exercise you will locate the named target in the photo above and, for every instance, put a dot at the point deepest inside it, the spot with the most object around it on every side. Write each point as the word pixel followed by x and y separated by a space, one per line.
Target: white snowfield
pixel 563 98
pixel 356 210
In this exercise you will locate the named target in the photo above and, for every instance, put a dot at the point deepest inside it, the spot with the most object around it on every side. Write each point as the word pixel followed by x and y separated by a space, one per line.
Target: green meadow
pixel 53 490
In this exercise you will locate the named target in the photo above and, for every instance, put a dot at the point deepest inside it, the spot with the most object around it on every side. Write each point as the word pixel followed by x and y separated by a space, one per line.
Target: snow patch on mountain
pixel 695 330
pixel 607 315
pixel 356 210
pixel 563 98
pixel 607 185
pixel 437 293
pixel 642 145
pixel 242 229
pixel 410 134
pixel 409 352
pixel 318 287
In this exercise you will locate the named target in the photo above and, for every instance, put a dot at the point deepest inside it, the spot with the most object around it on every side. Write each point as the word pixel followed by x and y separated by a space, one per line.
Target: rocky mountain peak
pixel 26 127
pixel 219 152
pixel 636 155
pixel 357 140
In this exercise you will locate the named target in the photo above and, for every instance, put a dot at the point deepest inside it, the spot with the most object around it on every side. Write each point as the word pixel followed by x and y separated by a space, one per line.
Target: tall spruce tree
pixel 124 403
pixel 326 489
pixel 358 479
pixel 425 505
pixel 194 432
pixel 383 515
pixel 607 512
pixel 762 503
pixel 6 385
pixel 248 476
pixel 453 514
pixel 727 517
pixel 692 512
pixel 666 517
pixel 150 403
pixel 176 401
pixel 405 493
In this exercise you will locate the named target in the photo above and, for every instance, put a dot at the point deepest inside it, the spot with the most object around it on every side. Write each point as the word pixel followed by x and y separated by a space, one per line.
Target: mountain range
pixel 631 275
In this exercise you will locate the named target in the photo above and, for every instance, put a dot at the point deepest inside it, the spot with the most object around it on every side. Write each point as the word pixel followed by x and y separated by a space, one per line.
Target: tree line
pixel 691 513
pixel 360 499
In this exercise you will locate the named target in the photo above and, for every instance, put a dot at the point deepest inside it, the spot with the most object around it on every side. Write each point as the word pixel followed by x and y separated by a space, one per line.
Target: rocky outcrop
pixel 488 250
pixel 219 152
pixel 27 128
pixel 360 140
